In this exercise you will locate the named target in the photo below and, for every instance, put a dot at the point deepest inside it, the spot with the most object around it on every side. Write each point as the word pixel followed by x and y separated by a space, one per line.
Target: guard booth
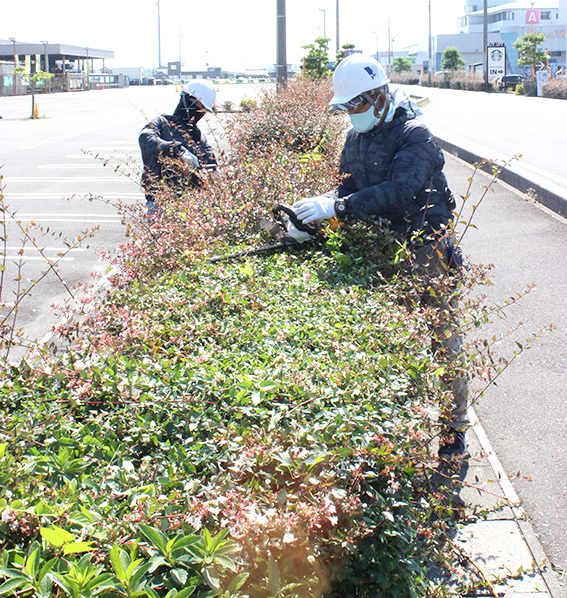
pixel 71 66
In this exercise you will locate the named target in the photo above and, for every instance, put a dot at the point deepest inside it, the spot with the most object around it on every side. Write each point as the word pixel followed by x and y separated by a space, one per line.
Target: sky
pixel 231 34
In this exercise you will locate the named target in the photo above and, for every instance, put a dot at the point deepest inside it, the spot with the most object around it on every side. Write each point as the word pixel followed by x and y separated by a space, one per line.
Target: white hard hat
pixel 355 75
pixel 201 90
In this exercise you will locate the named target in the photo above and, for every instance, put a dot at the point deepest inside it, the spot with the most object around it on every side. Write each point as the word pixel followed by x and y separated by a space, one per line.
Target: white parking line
pixel 60 249
pixel 84 218
pixel 40 194
pixel 56 179
pixel 31 258
pixel 79 166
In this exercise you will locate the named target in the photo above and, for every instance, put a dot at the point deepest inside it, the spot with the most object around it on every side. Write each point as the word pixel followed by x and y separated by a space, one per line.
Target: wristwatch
pixel 340 208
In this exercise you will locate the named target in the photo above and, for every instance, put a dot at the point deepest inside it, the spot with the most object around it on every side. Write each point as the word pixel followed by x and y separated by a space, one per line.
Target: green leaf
pixel 207 540
pixel 116 561
pixel 9 586
pixel 76 547
pixel 218 539
pixel 155 537
pixel 179 576
pixel 212 578
pixel 237 582
pixel 56 536
pixel 140 572
pixel 185 592
pixel 32 563
pixel 3 449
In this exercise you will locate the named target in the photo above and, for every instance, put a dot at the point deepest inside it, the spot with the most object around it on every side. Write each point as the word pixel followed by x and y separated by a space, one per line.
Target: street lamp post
pixel 46 56
pixel 87 82
pixel 338 44
pixel 13 40
pixel 324 22
pixel 46 82
pixel 281 59
pixel 485 44
pixel 159 35
pixel 429 49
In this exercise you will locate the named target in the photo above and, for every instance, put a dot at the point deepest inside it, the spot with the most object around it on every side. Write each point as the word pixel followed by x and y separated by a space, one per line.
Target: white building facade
pixel 508 20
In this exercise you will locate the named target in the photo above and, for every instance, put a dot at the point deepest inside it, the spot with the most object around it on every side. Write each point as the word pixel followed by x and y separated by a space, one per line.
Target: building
pixel 71 66
pixel 507 21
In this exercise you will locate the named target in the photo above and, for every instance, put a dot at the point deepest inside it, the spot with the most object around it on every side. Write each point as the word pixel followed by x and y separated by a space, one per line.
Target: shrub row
pixel 252 427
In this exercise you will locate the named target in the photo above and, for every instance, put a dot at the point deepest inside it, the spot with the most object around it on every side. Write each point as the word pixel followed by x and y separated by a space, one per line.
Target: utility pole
pixel 180 38
pixel 485 44
pixel 429 49
pixel 281 61
pixel 324 22
pixel 13 40
pixel 337 36
pixel 159 35
pixel 389 48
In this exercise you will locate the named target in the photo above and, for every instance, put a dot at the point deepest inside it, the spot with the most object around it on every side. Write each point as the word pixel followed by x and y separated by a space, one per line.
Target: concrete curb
pixel 550 193
pixel 519 528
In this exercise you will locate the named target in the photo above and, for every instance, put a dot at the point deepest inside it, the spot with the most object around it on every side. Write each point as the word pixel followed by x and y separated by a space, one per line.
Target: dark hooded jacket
pixel 395 172
pixel 166 136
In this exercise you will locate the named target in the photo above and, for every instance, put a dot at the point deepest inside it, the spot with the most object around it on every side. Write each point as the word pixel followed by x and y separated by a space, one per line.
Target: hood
pixel 400 99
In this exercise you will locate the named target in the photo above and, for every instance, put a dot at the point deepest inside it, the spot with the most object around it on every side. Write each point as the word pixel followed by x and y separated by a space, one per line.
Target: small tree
pixel 33 80
pixel 341 54
pixel 452 60
pixel 528 52
pixel 402 64
pixel 317 60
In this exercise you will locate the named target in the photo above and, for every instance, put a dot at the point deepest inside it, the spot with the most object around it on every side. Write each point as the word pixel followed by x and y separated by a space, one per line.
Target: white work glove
pixel 315 209
pixel 190 159
pixel 297 235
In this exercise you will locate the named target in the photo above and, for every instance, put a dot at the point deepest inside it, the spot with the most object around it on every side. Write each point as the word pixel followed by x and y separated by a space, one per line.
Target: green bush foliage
pixel 251 427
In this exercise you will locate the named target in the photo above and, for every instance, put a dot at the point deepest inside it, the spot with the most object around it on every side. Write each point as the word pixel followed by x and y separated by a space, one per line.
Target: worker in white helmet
pixel 392 168
pixel 173 147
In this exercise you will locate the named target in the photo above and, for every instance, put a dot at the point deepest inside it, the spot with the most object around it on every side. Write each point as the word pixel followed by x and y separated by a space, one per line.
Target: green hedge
pixel 253 427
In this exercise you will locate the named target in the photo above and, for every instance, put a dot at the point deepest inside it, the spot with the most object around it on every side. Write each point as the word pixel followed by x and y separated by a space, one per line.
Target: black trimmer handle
pixel 277 212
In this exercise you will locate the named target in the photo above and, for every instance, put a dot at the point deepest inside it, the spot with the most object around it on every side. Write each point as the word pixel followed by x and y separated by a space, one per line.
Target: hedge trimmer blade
pixel 287 230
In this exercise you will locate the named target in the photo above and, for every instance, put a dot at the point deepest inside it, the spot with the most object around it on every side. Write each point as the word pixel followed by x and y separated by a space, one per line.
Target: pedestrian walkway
pixel 499 546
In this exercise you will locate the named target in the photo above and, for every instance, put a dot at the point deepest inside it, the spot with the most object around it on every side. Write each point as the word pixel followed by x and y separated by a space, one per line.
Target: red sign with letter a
pixel 532 17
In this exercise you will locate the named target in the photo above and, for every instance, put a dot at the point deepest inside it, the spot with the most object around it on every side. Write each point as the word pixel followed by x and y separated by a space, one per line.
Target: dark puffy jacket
pixel 395 172
pixel 166 136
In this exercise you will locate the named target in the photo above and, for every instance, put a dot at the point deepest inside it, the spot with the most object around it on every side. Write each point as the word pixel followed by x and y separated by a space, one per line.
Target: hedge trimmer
pixel 286 230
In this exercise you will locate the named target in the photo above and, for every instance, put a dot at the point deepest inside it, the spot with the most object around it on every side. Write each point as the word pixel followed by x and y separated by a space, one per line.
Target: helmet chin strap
pixel 386 105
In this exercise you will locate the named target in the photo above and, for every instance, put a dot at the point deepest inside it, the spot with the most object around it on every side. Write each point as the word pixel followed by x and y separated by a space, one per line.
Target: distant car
pixel 510 81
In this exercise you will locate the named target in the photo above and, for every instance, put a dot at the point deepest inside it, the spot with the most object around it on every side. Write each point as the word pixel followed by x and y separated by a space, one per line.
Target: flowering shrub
pixel 556 88
pixel 246 427
pixel 457 80
pixel 405 78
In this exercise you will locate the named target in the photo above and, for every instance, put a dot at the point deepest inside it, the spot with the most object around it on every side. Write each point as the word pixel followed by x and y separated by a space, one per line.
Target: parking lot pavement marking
pixel 60 179
pixel 59 217
pixel 33 258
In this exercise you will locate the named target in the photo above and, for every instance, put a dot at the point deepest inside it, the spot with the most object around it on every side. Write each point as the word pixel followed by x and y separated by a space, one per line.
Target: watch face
pixel 340 206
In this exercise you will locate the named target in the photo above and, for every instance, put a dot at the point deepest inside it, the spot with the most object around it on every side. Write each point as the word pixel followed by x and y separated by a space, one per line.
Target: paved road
pixel 54 166
pixel 503 123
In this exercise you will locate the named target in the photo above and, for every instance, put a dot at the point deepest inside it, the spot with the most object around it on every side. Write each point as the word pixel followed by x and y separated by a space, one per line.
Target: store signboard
pixel 496 61
pixel 532 17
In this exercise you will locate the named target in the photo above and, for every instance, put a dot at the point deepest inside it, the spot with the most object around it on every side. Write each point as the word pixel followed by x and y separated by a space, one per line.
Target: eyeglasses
pixel 366 98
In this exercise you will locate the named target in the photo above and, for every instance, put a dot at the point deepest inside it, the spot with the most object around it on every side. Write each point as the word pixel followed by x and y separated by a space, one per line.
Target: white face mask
pixel 365 121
